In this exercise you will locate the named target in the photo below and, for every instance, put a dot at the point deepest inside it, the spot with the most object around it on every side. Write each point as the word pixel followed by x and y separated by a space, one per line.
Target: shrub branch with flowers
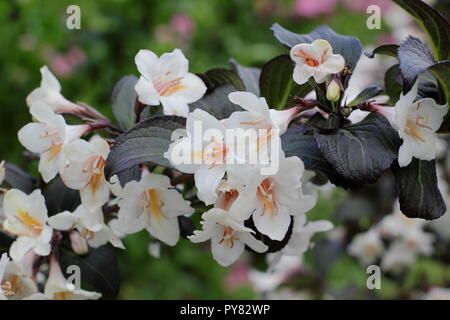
pixel 95 189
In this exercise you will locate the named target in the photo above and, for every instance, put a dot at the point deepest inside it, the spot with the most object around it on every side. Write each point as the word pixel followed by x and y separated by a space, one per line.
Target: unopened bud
pixel 333 91
pixel 78 243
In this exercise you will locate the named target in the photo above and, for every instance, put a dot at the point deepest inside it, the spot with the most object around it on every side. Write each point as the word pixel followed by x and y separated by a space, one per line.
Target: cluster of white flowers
pixel 406 239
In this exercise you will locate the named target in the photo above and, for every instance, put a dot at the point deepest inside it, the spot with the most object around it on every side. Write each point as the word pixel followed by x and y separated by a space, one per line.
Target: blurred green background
pixel 88 62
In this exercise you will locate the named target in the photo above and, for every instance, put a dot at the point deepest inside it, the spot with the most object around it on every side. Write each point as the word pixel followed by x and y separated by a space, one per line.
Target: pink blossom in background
pixel 182 24
pixel 361 5
pixel 63 64
pixel 238 275
pixel 313 8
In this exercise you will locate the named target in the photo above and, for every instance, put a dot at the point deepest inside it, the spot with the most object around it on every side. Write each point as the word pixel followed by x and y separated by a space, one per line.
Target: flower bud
pixel 78 243
pixel 333 91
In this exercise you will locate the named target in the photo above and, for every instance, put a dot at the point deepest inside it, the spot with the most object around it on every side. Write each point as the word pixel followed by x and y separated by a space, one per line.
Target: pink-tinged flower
pixel 316 60
pixel 183 24
pixel 238 275
pixel 313 8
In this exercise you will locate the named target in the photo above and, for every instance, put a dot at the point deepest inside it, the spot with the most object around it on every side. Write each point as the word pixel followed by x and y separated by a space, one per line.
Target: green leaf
pixel 386 49
pixel 277 84
pixel 145 142
pixel 393 83
pixel 366 94
pixel 349 47
pixel 414 59
pixel 433 23
pixel 224 76
pixel 297 142
pixel 216 102
pixel 123 101
pixel 418 190
pixel 250 76
pixel 99 269
pixel 363 151
pixel 59 197
pixel 19 179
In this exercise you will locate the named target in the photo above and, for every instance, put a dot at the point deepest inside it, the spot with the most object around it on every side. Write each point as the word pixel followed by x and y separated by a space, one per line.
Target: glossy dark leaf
pixel 349 47
pixel 296 142
pixel 277 84
pixel 386 49
pixel 367 94
pixel 437 26
pixel 216 102
pixel 59 197
pixel 224 76
pixel 414 59
pixel 131 174
pixel 418 190
pixel 99 269
pixel 441 71
pixel 145 142
pixel 363 151
pixel 393 83
pixel 19 179
pixel 249 75
pixel 124 100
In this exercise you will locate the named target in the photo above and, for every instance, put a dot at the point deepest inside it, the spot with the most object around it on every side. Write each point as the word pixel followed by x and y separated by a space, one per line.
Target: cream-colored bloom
pixel 228 236
pixel 151 204
pixel 90 225
pixel 47 136
pixel 15 282
pixel 85 171
pixel 417 123
pixel 316 60
pixel 58 288
pixel 367 247
pixel 49 93
pixel 166 80
pixel 26 217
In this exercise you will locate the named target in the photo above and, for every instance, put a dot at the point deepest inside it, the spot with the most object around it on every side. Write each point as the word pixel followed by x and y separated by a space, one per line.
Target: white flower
pixel 2 171
pixel 228 236
pixel 152 204
pixel 50 93
pixel 47 137
pixel 90 225
pixel 417 123
pixel 257 114
pixel 276 198
pixel 302 233
pixel 58 288
pixel 85 171
pixel 397 225
pixel 315 59
pixel 367 247
pixel 397 257
pixel 206 159
pixel 26 217
pixel 15 282
pixel 166 80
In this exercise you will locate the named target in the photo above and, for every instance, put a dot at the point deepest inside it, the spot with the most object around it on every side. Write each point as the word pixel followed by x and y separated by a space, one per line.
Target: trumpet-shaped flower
pixel 417 123
pixel 277 197
pixel 47 137
pixel 26 217
pixel 151 204
pixel 316 60
pixel 15 282
pixel 58 288
pixel 50 93
pixel 166 80
pixel 90 225
pixel 206 158
pixel 228 236
pixel 85 171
